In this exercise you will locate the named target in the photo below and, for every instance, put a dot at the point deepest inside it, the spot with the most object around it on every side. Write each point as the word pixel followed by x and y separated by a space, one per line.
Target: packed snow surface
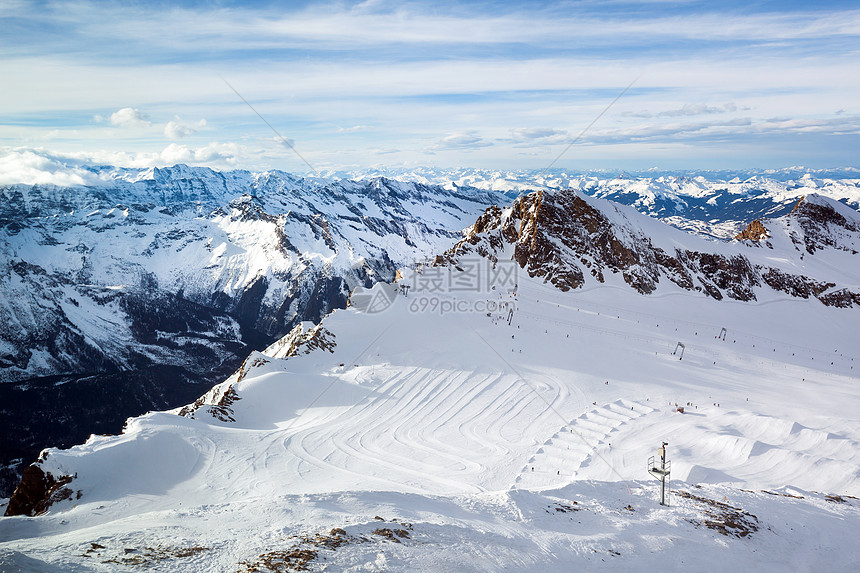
pixel 436 436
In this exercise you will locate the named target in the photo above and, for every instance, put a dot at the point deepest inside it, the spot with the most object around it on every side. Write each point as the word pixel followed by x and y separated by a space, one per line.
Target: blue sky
pixel 481 84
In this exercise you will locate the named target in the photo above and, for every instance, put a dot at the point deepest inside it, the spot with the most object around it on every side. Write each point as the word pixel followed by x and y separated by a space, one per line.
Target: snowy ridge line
pixel 265 248
pixel 422 423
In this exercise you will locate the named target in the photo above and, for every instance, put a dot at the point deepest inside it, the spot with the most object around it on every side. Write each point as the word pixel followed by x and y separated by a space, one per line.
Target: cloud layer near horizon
pixel 357 84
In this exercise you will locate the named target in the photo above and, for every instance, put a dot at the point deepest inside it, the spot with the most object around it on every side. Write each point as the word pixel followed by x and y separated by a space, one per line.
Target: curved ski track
pixel 424 430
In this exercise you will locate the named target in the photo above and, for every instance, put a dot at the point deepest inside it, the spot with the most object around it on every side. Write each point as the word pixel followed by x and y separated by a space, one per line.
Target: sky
pixel 354 85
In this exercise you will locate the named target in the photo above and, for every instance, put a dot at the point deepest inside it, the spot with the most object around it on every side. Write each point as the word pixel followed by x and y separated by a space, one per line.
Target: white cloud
pixel 355 128
pixel 128 117
pixel 280 141
pixel 31 167
pixel 177 129
pixel 463 141
pixel 528 136
pixel 698 109
pixel 223 153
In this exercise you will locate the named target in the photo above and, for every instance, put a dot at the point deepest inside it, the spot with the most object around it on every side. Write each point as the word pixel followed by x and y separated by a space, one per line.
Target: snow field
pixel 437 421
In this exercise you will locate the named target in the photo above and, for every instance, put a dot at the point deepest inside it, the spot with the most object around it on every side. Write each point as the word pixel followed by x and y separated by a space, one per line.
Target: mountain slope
pixel 436 432
pixel 442 429
pixel 268 250
pixel 170 277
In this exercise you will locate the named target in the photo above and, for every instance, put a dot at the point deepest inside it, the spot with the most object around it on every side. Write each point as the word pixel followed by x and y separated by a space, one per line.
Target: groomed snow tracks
pixel 559 459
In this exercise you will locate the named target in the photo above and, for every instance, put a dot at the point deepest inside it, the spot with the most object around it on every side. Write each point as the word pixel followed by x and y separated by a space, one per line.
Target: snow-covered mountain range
pixel 714 204
pixel 266 250
pixel 435 427
pixel 160 281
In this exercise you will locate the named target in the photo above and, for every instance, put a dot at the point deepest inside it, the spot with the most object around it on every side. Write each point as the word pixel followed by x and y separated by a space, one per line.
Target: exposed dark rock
pixel 251 300
pixel 842 298
pixel 301 341
pixel 733 275
pixel 673 269
pixel 37 491
pixel 755 231
pixel 722 517
pixel 795 285
pixel 222 399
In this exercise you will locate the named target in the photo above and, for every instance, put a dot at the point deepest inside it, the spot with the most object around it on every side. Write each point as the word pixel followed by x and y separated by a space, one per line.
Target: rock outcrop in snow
pixel 37 491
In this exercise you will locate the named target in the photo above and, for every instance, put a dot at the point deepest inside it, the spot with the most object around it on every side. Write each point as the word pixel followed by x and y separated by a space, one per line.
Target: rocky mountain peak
pixel 570 239
pixel 755 231
pixel 825 223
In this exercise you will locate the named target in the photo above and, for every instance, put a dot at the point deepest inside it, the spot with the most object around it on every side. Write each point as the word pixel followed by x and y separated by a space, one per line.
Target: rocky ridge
pixel 571 240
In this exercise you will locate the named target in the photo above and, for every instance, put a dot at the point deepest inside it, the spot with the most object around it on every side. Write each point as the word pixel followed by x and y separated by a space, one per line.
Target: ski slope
pixel 493 446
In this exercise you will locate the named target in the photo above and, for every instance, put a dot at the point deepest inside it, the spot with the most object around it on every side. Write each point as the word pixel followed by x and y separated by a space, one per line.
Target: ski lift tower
pixel 660 472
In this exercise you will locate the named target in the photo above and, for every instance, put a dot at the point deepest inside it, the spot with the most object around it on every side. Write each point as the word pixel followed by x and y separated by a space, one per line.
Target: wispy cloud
pixel 355 129
pixel 538 133
pixel 542 136
pixel 334 27
pixel 465 141
pixel 731 129
pixel 689 110
pixel 349 79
